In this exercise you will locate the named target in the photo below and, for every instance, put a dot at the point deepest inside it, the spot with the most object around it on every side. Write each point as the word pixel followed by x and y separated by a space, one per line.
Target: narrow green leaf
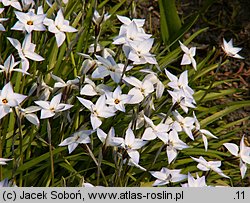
pixel 223 112
pixel 35 161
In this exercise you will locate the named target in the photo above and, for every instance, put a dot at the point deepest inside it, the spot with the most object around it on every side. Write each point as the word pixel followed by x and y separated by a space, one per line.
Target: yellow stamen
pixel 117 101
pixel 30 22
pixel 5 101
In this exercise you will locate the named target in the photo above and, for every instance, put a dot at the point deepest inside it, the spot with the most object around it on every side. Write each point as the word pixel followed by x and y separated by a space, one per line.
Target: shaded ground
pixel 225 19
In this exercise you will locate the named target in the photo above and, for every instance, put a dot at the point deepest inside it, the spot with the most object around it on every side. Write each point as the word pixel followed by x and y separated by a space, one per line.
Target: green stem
pixel 19 123
pixel 72 57
pixel 212 82
pixel 118 177
pixel 94 159
pixel 50 152
pixel 124 69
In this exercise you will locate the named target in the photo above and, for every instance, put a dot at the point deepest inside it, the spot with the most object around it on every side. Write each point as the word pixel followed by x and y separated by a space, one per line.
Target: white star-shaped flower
pixel 198 182
pixel 209 165
pixel 98 110
pixel 59 27
pixel 3 161
pixel 91 89
pixel 185 123
pixel 243 153
pixel 29 22
pixel 109 139
pixel 230 50
pixel 49 109
pixel 141 89
pixel 154 131
pixel 9 67
pixel 98 19
pixel 79 137
pixel 126 22
pixel 117 99
pixel 174 144
pixel 140 52
pixel 108 67
pixel 61 84
pixel 203 132
pixel 9 99
pixel 2 20
pixel 180 84
pixel 131 34
pixel 13 3
pixel 166 176
pixel 188 57
pixel 28 113
pixel 131 145
pixel 26 50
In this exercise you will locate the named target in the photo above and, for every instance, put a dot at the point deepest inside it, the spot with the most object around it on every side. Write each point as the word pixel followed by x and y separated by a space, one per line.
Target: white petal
pixel 72 147
pixel 159 175
pixel 202 167
pixel 106 112
pixel 206 132
pixel 56 100
pixel 60 38
pixel 135 156
pixel 148 134
pixel 137 96
pixel 159 89
pixel 133 81
pixel 18 97
pixel 124 20
pixel 67 141
pixel 171 153
pixel 243 169
pixel 204 138
pixel 4 111
pixel 18 26
pixel 129 137
pixel 100 72
pixel 183 79
pixel 232 148
pixel 184 48
pixel 15 43
pixel 185 60
pixel 31 109
pixel 59 18
pixel 43 104
pixel 88 104
pixel 32 118
pixel 95 121
pixel 66 28
pixel 33 56
pixel 138 144
pixel 192 51
pixel 88 90
pixel 101 135
pixel 100 103
pixel 46 114
pixel 171 77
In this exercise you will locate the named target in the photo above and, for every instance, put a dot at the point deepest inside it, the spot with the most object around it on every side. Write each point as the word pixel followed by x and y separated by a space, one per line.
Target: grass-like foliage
pixel 89 97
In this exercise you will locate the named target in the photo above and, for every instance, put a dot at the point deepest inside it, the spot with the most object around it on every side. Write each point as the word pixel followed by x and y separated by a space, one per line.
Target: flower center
pixel 77 138
pixel 142 90
pixel 5 101
pixel 30 22
pixel 58 27
pixel 52 109
pixel 117 101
